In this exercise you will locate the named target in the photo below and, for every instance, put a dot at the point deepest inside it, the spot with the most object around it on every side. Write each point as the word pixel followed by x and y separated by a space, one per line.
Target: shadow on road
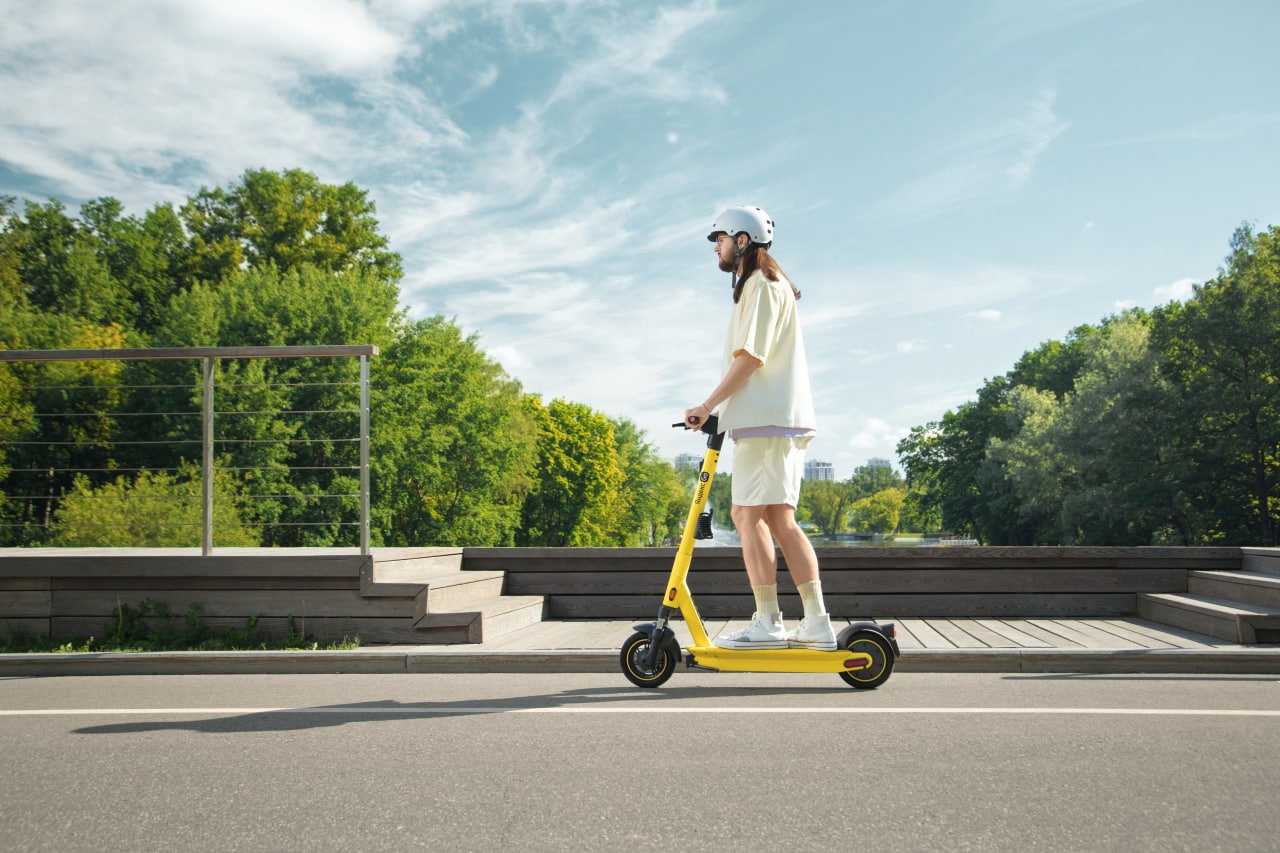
pixel 322 716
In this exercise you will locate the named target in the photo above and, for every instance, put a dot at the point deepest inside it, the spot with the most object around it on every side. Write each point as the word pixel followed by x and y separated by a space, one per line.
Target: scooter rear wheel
pixel 881 661
pixel 632 658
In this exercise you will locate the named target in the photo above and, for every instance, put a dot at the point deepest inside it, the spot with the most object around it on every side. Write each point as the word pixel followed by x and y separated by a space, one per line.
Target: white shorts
pixel 768 470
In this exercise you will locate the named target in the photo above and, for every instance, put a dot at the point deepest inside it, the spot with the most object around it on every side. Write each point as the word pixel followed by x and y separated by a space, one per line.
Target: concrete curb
pixel 419 659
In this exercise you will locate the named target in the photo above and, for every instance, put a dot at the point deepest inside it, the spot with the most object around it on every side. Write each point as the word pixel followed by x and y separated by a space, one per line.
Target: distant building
pixel 688 460
pixel 818 469
pixel 879 463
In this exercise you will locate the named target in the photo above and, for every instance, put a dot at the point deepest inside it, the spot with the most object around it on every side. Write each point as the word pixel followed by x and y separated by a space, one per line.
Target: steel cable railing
pixel 61 457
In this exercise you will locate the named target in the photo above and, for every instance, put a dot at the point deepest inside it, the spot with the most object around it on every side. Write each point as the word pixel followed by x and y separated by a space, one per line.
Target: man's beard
pixel 728 266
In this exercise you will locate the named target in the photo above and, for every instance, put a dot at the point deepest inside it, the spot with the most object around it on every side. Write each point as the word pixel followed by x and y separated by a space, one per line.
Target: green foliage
pixel 653 504
pixel 150 627
pixel 453 447
pixel 154 509
pixel 1150 428
pixel 577 478
pixel 867 480
pixel 287 220
pixel 459 456
pixel 879 513
pixel 825 504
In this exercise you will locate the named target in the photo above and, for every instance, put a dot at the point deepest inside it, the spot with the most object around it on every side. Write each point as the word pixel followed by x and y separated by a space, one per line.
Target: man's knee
pixel 780 516
pixel 746 516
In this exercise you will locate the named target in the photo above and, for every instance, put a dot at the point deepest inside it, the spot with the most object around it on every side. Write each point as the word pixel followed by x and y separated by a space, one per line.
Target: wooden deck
pixel 946 634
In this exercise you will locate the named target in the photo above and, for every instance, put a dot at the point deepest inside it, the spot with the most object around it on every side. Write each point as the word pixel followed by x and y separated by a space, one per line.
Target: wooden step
pixel 400 572
pixel 485 620
pixel 1249 587
pixel 443 604
pixel 1263 560
pixel 1233 621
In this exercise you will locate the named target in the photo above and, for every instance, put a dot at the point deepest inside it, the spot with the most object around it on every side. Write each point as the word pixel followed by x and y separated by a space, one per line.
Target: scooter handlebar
pixel 710 426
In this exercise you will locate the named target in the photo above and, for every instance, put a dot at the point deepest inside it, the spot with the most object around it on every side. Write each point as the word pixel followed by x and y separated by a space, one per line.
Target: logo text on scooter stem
pixel 704 476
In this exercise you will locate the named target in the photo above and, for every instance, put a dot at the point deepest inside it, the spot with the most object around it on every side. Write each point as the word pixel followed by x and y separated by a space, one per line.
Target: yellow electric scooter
pixel 865 651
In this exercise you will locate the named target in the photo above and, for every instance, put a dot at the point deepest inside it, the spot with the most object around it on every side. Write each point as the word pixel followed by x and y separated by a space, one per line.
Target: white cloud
pixel 1037 130
pixel 913 345
pixel 1178 291
pixel 495 246
pixel 987 314
pixel 1221 127
pixel 197 92
pixel 999 24
pixel 983 163
pixel 874 434
pixel 641 58
pixel 908 291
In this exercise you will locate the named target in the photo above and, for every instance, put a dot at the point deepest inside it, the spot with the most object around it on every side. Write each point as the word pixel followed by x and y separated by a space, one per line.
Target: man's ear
pixel 743 241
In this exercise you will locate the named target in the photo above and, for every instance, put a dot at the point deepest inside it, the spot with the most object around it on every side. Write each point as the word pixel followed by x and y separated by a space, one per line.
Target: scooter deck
pixel 777 660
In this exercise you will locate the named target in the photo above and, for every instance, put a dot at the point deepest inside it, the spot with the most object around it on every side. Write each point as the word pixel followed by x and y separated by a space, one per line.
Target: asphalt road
pixel 586 762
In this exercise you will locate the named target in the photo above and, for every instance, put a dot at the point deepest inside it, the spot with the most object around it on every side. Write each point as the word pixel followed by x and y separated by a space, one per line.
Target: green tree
pixel 147 259
pixel 153 509
pixel 1222 354
pixel 919 512
pixel 275 414
pixel 880 512
pixel 653 501
pixel 574 500
pixel 1125 482
pixel 62 269
pixel 870 479
pixel 453 447
pixel 287 220
pixel 825 504
pixel 949 459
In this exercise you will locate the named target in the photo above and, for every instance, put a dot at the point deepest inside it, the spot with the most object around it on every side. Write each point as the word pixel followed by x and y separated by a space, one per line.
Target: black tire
pixel 881 661
pixel 634 651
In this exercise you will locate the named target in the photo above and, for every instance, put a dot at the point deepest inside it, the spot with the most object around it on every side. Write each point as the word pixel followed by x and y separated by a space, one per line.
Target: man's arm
pixel 744 364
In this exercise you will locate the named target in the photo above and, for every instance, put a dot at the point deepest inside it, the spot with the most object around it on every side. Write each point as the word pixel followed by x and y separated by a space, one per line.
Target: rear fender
pixel 885 631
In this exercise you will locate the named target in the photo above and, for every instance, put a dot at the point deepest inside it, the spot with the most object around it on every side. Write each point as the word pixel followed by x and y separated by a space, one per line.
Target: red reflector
pixel 856 664
pixel 671 596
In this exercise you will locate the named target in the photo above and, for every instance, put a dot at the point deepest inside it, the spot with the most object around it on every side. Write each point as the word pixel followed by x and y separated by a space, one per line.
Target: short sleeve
pixel 754 330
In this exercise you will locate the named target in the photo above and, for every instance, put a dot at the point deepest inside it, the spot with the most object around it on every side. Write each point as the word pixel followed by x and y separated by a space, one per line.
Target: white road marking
pixel 644 708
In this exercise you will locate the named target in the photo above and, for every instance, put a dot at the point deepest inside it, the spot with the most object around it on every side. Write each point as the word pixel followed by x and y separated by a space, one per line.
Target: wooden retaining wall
pixel 75 594
pixel 858 582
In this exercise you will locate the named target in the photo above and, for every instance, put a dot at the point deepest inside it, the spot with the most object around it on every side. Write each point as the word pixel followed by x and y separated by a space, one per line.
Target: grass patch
pixel 150 627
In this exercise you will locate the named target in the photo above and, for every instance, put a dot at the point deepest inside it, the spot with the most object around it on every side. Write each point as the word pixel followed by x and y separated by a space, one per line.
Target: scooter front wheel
pixel 881 661
pixel 634 652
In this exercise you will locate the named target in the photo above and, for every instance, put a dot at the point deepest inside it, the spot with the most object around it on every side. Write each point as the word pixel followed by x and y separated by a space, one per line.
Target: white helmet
pixel 753 220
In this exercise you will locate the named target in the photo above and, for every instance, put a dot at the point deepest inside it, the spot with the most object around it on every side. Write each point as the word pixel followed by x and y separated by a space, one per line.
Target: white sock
pixel 766 598
pixel 811 595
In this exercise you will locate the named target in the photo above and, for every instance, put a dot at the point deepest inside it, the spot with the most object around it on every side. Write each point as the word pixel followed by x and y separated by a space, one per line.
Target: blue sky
pixel 953 182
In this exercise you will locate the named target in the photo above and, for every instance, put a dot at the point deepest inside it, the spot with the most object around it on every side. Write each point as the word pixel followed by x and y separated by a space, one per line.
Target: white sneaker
pixel 814 632
pixel 765 632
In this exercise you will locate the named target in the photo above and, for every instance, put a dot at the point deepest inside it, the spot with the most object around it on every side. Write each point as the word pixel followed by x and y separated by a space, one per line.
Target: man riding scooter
pixel 767 410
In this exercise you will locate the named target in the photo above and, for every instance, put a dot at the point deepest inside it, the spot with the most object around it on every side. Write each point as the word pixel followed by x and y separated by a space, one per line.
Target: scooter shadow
pixel 328 716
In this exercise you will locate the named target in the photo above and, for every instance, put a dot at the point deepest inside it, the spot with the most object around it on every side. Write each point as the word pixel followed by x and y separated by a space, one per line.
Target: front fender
pixel 667 640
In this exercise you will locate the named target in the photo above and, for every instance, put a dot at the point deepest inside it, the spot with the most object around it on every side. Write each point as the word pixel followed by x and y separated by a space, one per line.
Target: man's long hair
pixel 756 257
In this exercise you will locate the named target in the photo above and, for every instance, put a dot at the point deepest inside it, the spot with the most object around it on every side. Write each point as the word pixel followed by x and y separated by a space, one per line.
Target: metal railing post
pixel 209 356
pixel 206 461
pixel 364 454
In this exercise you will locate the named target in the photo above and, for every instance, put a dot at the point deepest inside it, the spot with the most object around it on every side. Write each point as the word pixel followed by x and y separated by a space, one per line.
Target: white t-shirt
pixel 764 324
